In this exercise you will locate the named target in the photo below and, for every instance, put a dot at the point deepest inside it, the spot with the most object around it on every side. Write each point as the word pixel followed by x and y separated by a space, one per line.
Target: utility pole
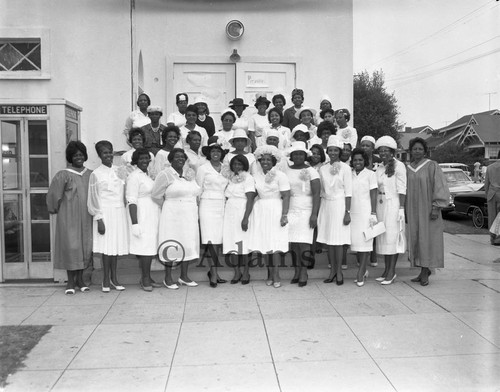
pixel 489 99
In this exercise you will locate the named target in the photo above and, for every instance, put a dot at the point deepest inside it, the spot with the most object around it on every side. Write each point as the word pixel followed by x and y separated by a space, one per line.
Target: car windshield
pixel 452 177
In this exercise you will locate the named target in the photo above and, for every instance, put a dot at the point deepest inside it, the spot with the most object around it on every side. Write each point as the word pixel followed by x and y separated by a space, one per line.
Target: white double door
pixel 220 83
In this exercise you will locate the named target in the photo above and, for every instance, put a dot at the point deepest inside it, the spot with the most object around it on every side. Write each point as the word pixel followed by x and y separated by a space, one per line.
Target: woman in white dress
pixel 136 139
pixel 212 182
pixel 363 210
pixel 139 117
pixel 306 116
pixel 303 211
pixel 269 220
pixel 300 134
pixel 391 180
pixel 325 130
pixel 193 150
pixel 106 204
pixel 240 194
pixel 258 122
pixel 170 139
pixel 191 115
pixel 228 118
pixel 334 214
pixel 178 236
pixel 144 215
pixel 346 133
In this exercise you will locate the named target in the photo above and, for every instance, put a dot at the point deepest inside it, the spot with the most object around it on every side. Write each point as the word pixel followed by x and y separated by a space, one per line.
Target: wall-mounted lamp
pixel 235 56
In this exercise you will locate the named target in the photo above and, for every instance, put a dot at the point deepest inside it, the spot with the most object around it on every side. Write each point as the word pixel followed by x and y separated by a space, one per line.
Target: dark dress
pixel 208 124
pixel 153 139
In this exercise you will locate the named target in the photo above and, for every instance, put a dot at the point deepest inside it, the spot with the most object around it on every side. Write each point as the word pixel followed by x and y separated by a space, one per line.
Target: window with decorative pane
pixel 20 55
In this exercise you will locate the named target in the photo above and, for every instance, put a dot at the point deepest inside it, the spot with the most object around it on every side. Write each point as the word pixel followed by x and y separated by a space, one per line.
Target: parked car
pixel 461 166
pixel 458 182
pixel 473 204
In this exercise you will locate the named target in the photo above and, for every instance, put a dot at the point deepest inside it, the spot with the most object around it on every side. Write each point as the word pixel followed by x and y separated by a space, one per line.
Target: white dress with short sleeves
pixel 266 233
pixel 389 189
pixel 301 203
pixel 235 240
pixel 106 201
pixel 139 186
pixel 126 161
pixel 361 209
pixel 179 214
pixel 212 200
pixel 336 185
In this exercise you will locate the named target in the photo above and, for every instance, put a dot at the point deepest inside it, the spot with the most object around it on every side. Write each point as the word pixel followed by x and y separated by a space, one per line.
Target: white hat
pixel 301 128
pixel 155 109
pixel 368 138
pixel 298 146
pixel 303 109
pixel 325 98
pixel 334 141
pixel 386 141
pixel 267 149
pixel 272 133
pixel 200 99
pixel 229 110
pixel 239 134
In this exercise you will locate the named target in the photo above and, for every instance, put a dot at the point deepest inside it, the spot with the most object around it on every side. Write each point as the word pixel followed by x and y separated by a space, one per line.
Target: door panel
pixel 268 78
pixel 214 81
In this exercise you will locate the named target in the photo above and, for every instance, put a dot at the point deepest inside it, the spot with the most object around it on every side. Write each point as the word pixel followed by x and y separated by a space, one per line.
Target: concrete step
pixel 129 272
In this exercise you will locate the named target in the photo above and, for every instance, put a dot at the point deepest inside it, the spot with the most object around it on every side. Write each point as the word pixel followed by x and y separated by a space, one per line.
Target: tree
pixel 451 152
pixel 375 110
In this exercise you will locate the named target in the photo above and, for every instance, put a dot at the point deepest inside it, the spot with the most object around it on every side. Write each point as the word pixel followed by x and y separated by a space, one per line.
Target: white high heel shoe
pixel 363 281
pixel 189 284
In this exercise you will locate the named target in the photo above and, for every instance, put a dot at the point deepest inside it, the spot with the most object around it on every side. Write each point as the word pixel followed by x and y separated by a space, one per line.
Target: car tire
pixel 478 219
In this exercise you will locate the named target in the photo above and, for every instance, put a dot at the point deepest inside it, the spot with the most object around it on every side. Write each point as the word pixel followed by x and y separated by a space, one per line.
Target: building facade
pixel 73 70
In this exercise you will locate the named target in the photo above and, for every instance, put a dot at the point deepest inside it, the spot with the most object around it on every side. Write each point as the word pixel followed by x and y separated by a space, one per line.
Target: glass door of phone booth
pixel 27 168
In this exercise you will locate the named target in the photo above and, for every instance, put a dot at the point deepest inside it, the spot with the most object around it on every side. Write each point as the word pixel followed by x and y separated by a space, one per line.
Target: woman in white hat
pixel 306 117
pixel 228 117
pixel 213 183
pixel 334 214
pixel 324 104
pixel 346 133
pixel 363 210
pixel 304 206
pixel 239 142
pixel 300 134
pixel 269 220
pixel 367 144
pixel 391 180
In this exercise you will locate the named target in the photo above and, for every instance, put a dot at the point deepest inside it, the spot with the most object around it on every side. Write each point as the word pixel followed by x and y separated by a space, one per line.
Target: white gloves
pixel 401 215
pixel 373 220
pixel 136 230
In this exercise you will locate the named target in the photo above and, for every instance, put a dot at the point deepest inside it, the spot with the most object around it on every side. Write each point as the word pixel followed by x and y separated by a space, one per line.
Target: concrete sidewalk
pixel 323 337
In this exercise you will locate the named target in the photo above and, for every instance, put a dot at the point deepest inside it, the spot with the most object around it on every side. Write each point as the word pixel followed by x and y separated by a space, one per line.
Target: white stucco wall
pixel 89 59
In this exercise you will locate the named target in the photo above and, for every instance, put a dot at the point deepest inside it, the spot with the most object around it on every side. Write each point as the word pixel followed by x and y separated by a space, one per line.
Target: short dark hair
pixel 359 151
pixel 326 126
pixel 228 113
pixel 103 144
pixel 137 154
pixel 279 96
pixel 136 131
pixel 207 150
pixel 191 134
pixel 170 128
pixel 321 152
pixel 241 159
pixel 174 151
pixel 73 147
pixel 324 111
pixel 191 108
pixel 147 97
pixel 275 111
pixel 419 140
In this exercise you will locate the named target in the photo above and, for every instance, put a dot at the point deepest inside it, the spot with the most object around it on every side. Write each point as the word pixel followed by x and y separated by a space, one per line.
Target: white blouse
pixel 136 119
pixel 202 131
pixel 170 185
pixel 392 186
pixel 336 181
pixel 126 160
pixel 139 185
pixel 106 190
pixel 239 186
pixel 212 183
pixel 270 185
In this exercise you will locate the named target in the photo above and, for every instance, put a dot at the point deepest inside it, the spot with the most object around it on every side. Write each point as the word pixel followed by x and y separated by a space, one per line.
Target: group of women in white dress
pixel 237 194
